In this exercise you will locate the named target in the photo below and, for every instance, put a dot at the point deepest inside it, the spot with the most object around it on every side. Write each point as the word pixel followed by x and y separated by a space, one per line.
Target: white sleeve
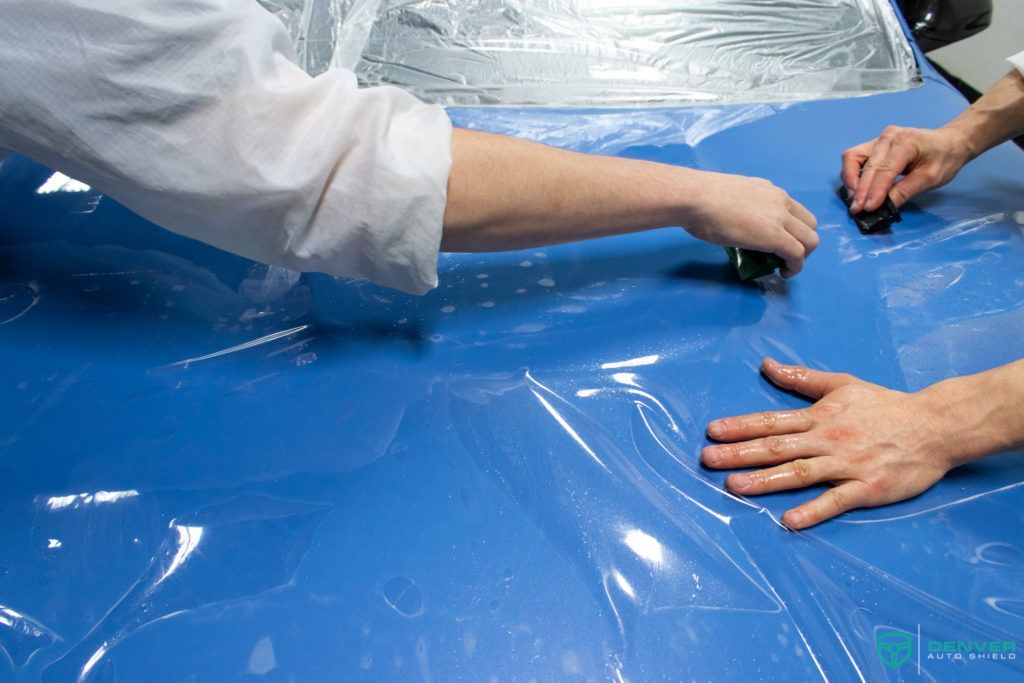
pixel 194 115
pixel 1017 61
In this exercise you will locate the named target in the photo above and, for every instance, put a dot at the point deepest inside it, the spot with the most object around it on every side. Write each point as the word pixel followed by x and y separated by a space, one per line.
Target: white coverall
pixel 194 114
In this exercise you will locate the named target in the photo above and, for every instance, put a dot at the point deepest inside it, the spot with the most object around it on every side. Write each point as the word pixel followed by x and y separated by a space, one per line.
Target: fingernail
pixel 716 428
pixel 739 481
pixel 795 517
pixel 712 456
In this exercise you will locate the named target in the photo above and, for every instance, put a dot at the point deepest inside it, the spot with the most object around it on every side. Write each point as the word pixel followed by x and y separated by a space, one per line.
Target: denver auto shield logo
pixel 893 647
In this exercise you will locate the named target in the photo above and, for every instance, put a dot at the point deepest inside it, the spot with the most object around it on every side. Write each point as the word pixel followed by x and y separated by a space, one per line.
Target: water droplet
pixel 305 359
pixel 262 659
pixel 263 283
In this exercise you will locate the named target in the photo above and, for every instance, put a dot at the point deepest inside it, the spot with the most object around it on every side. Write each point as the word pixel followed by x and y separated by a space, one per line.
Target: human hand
pixel 875 445
pixel 752 213
pixel 928 159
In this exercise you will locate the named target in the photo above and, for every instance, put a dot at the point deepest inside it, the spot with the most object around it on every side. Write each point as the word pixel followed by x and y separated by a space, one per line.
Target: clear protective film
pixel 212 470
pixel 606 53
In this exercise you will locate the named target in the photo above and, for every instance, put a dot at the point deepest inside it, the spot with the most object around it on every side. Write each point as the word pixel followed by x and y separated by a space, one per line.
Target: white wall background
pixel 980 60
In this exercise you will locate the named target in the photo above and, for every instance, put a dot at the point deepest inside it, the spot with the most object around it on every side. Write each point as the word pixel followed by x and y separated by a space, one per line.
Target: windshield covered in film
pixel 607 52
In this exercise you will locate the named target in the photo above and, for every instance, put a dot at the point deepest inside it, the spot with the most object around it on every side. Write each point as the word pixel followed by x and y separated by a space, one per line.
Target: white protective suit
pixel 1018 62
pixel 194 114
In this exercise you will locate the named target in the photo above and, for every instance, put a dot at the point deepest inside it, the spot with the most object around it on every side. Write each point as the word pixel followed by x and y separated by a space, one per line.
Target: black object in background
pixel 936 23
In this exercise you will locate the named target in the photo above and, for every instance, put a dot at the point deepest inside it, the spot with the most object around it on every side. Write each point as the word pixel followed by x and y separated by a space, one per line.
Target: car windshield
pixel 606 52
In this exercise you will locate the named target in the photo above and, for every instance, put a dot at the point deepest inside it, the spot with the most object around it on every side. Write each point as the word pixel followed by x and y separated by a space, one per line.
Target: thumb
pixel 810 383
pixel 916 182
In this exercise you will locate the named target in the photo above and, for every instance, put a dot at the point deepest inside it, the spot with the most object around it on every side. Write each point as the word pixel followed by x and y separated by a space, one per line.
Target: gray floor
pixel 981 59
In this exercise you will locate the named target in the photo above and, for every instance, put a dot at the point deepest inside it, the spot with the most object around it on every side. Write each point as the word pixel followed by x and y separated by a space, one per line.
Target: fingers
pixel 758 425
pixel 902 153
pixel 793 252
pixel 891 155
pixel 795 474
pixel 800 212
pixel 853 161
pixel 757 452
pixel 804 234
pixel 800 224
pixel 832 503
pixel 810 383
pixel 867 175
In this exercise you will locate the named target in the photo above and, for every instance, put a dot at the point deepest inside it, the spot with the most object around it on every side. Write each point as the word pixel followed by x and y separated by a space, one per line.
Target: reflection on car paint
pixel 214 468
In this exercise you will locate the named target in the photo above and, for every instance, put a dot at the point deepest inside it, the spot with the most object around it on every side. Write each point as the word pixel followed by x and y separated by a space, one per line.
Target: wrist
pixel 962 141
pixel 683 195
pixel 960 415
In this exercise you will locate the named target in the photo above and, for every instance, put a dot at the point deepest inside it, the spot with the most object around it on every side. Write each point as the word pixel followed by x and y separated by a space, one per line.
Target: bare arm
pixel 876 445
pixel 932 158
pixel 995 118
pixel 506 193
pixel 983 413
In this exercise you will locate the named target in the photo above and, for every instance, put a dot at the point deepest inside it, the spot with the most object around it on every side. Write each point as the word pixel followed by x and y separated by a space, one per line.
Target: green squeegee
pixel 751 265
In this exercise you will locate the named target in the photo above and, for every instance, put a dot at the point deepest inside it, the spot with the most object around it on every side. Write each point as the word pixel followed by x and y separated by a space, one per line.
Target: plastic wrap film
pixel 325 33
pixel 213 470
pixel 607 53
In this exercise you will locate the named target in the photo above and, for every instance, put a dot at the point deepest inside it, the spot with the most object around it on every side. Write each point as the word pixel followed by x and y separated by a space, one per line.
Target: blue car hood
pixel 211 469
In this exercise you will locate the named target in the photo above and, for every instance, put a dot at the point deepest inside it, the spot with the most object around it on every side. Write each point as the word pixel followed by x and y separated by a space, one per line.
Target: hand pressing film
pixel 871 222
pixel 873 445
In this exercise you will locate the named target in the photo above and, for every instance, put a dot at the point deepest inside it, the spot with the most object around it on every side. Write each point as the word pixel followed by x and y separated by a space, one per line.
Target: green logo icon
pixel 893 648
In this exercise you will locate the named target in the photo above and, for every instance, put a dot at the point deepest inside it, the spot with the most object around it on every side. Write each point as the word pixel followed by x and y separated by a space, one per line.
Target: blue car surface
pixel 214 470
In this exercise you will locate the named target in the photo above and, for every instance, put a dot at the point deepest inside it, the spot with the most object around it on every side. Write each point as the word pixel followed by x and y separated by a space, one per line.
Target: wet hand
pixel 874 445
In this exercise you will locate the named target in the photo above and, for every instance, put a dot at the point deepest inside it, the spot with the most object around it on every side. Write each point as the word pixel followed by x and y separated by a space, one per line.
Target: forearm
pixel 980 414
pixel 507 193
pixel 995 118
